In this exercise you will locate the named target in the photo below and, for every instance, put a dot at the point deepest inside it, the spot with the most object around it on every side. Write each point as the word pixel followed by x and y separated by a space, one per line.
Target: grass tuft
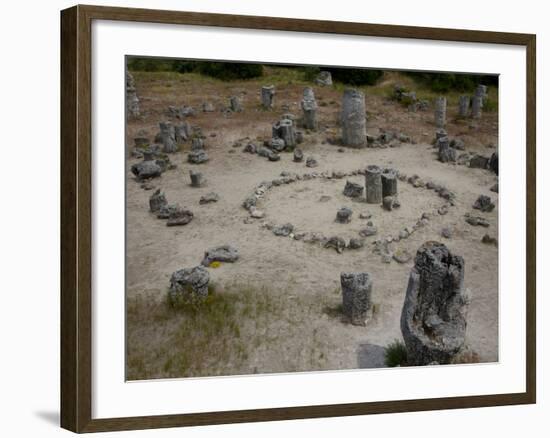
pixel 395 354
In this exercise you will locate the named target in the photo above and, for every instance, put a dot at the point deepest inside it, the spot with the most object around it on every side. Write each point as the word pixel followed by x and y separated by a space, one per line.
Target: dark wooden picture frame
pixel 76 218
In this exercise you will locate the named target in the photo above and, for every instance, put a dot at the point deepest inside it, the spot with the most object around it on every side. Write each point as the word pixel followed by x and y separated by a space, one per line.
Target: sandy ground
pixel 296 269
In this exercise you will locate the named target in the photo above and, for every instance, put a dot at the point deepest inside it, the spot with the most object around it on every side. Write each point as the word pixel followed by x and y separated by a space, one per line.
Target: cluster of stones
pixel 197 155
pixel 408 99
pixel 155 162
pixel 186 111
pixel 190 285
pixel 380 184
pixel 452 151
pixel 174 214
pixel 471 106
pixel 433 318
pixel 132 100
pixel 388 138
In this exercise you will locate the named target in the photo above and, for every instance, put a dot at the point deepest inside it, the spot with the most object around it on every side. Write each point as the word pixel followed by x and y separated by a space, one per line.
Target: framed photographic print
pixel 268 219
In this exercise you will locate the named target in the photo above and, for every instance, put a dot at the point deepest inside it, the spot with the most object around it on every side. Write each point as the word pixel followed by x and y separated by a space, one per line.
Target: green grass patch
pixel 395 354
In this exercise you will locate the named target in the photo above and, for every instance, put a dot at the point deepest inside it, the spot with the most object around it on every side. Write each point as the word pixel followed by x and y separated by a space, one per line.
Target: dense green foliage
pixel 395 354
pixel 444 82
pixel 348 76
pixel 151 64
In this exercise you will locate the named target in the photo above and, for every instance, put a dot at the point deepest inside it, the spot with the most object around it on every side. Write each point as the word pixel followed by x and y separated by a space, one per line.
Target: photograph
pixel 303 218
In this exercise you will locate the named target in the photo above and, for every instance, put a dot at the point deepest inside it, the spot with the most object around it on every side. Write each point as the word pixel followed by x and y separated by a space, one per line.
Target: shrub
pixel 444 82
pixel 151 64
pixel 395 354
pixel 229 70
pixel 355 76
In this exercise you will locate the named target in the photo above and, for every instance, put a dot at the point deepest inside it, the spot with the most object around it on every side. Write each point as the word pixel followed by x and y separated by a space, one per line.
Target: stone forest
pixel 293 222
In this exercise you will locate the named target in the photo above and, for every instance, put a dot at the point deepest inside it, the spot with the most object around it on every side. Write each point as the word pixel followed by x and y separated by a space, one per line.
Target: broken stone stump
pixel 182 132
pixel 284 129
pixel 309 109
pixel 433 319
pixel 446 153
pixel 168 136
pixel 197 156
pixel 157 201
pixel 324 79
pixel 463 106
pixel 146 170
pixel 298 155
pixel 373 184
pixel 223 253
pixel 188 285
pixel 477 104
pixel 268 94
pixel 235 104
pixel 440 112
pixel 356 296
pixel 197 179
pixel 353 190
pixel 389 183
pixel 353 119
pixel 479 162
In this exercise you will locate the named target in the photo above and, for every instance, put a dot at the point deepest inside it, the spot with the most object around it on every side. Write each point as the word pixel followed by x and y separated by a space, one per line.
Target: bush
pixel 229 70
pixel 444 82
pixel 151 64
pixel 395 354
pixel 355 76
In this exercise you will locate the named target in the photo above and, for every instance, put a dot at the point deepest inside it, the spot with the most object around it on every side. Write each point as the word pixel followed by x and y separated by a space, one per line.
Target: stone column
pixel 309 108
pixel 477 104
pixel 440 111
pixel 356 296
pixel 389 183
pixel 168 136
pixel 197 179
pixel 354 120
pixel 235 104
pixel 268 93
pixel 463 106
pixel 433 320
pixel 481 91
pixel 373 184
pixel 132 101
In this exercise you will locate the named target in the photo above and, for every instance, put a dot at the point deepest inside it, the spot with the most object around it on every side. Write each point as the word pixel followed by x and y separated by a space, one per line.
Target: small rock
pixel 353 190
pixel 223 253
pixel 197 156
pixel 476 220
pixel 283 230
pixel 188 284
pixel 157 201
pixel 479 162
pixel 355 243
pixel 311 162
pixel 489 240
pixel 365 216
pixel 325 198
pixel 446 233
pixel 484 204
pixel 494 188
pixel 402 256
pixel 251 148
pixel 337 243
pixel 209 198
pixel 298 155
pixel 369 230
pixel 343 215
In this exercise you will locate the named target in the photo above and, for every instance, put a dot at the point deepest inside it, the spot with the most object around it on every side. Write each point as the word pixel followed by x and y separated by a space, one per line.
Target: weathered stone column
pixel 481 91
pixel 356 296
pixel 354 120
pixel 309 108
pixel 132 101
pixel 445 153
pixel 235 104
pixel 440 111
pixel 157 201
pixel 373 184
pixel 433 320
pixel 389 183
pixel 268 94
pixel 168 136
pixel 324 79
pixel 477 104
pixel 463 106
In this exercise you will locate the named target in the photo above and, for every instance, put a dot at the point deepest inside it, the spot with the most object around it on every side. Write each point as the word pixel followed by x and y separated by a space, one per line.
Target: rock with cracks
pixel 188 285
pixel 356 296
pixel 224 253
pixel 433 320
